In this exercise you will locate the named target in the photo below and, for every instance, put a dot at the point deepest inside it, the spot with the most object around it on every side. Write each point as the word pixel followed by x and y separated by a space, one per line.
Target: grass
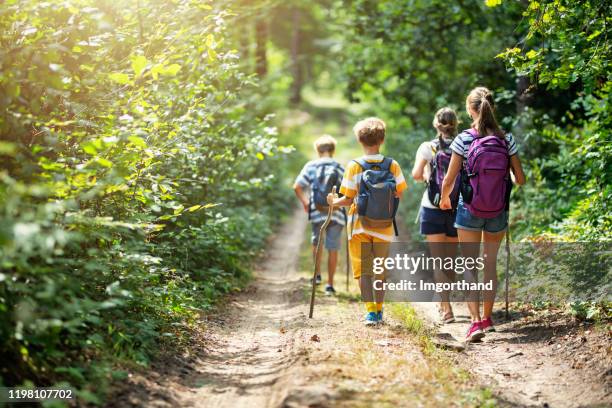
pixel 411 369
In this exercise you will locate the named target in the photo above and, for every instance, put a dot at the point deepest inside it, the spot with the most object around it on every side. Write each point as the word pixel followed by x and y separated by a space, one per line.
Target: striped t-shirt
pixel 305 179
pixel 463 140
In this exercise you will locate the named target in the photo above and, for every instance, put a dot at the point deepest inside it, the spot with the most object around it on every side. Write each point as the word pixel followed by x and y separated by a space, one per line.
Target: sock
pixel 370 307
pixel 379 306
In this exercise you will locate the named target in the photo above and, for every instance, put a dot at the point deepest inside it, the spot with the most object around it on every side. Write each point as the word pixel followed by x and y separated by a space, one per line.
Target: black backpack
pixel 439 166
pixel 326 177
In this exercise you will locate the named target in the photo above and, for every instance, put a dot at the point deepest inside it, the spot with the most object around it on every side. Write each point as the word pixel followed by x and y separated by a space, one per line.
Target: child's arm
pixel 335 201
pixel 302 196
pixel 449 180
pixel 419 169
pixel 518 176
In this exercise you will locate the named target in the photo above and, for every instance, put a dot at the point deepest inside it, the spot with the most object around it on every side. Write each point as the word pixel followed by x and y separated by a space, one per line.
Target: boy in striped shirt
pixel 371 134
pixel 325 147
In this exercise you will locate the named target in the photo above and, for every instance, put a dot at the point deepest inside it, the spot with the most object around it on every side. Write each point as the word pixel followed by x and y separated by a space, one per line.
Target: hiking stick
pixel 507 269
pixel 316 256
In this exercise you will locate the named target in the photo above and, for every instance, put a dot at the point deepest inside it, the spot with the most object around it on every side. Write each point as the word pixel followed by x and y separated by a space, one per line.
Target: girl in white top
pixel 438 225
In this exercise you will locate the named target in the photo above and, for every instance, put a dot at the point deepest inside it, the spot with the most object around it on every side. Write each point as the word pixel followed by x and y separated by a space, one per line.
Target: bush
pixel 137 184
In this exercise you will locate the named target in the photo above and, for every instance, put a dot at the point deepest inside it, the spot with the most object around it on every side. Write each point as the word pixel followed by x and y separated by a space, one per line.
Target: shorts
pixel 466 221
pixel 332 235
pixel 436 221
pixel 363 248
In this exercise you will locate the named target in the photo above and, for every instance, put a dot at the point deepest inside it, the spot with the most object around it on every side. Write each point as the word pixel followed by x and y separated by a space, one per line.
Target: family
pixel 469 176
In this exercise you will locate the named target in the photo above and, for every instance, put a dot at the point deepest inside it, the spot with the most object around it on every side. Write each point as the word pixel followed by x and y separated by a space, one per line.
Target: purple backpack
pixel 486 175
pixel 439 166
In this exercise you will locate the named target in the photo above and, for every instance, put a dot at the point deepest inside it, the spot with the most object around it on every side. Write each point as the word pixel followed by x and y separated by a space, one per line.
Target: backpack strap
pixel 472 132
pixel 363 164
pixel 386 164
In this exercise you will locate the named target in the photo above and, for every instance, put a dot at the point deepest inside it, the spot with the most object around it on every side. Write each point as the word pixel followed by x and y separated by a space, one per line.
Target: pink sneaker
pixel 474 333
pixel 487 325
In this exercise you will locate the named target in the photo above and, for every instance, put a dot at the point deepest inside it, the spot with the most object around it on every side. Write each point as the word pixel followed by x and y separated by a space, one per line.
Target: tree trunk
pixel 296 64
pixel 261 41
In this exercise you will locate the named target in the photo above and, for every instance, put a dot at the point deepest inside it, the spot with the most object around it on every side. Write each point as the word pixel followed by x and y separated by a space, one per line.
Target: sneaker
pixel 474 333
pixel 329 290
pixel 487 325
pixel 448 318
pixel 371 319
pixel 379 316
pixel 317 280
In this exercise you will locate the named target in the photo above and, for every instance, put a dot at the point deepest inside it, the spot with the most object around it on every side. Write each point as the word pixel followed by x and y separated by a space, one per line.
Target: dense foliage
pixel 137 182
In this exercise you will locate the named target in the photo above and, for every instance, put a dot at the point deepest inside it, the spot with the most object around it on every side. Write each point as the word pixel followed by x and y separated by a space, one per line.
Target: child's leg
pixel 316 228
pixel 359 257
pixel 332 262
pixel 492 242
pixel 380 249
pixel 470 248
pixel 333 236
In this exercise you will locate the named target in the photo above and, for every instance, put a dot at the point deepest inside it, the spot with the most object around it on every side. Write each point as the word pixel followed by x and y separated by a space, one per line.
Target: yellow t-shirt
pixel 350 188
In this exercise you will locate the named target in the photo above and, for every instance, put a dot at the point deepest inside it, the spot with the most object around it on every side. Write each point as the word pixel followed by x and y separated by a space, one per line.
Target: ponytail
pixel 480 100
pixel 445 122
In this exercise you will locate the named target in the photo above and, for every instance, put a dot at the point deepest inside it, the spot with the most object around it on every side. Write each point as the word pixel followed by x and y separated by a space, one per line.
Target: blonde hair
pixel 370 131
pixel 480 100
pixel 325 144
pixel 445 122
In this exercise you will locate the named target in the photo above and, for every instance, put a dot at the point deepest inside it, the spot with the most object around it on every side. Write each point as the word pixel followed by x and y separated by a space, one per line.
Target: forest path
pixel 261 350
pixel 531 360
pixel 252 349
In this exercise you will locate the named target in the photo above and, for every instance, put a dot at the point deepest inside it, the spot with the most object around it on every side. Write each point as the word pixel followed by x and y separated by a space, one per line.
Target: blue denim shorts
pixel 332 235
pixel 436 221
pixel 466 221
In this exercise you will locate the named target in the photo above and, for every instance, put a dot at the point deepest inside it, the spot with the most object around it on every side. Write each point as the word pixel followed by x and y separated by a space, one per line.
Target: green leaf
pixel 137 141
pixel 120 78
pixel 493 3
pixel 89 148
pixel 104 162
pixel 171 70
pixel 139 64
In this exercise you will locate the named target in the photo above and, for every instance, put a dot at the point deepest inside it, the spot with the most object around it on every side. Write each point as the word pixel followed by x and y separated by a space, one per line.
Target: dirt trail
pixel 248 361
pixel 263 351
pixel 534 360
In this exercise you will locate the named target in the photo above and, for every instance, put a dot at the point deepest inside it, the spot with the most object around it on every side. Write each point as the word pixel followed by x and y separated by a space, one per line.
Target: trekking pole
pixel 316 256
pixel 507 269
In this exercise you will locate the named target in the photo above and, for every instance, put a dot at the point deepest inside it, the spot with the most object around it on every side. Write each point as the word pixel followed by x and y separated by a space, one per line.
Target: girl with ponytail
pixel 431 163
pixel 489 159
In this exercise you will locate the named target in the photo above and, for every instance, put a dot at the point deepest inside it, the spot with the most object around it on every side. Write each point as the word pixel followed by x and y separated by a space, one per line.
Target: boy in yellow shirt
pixel 371 217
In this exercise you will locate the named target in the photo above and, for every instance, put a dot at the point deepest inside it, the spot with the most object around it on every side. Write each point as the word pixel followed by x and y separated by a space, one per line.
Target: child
pixel 482 213
pixel 369 237
pixel 432 160
pixel 319 176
